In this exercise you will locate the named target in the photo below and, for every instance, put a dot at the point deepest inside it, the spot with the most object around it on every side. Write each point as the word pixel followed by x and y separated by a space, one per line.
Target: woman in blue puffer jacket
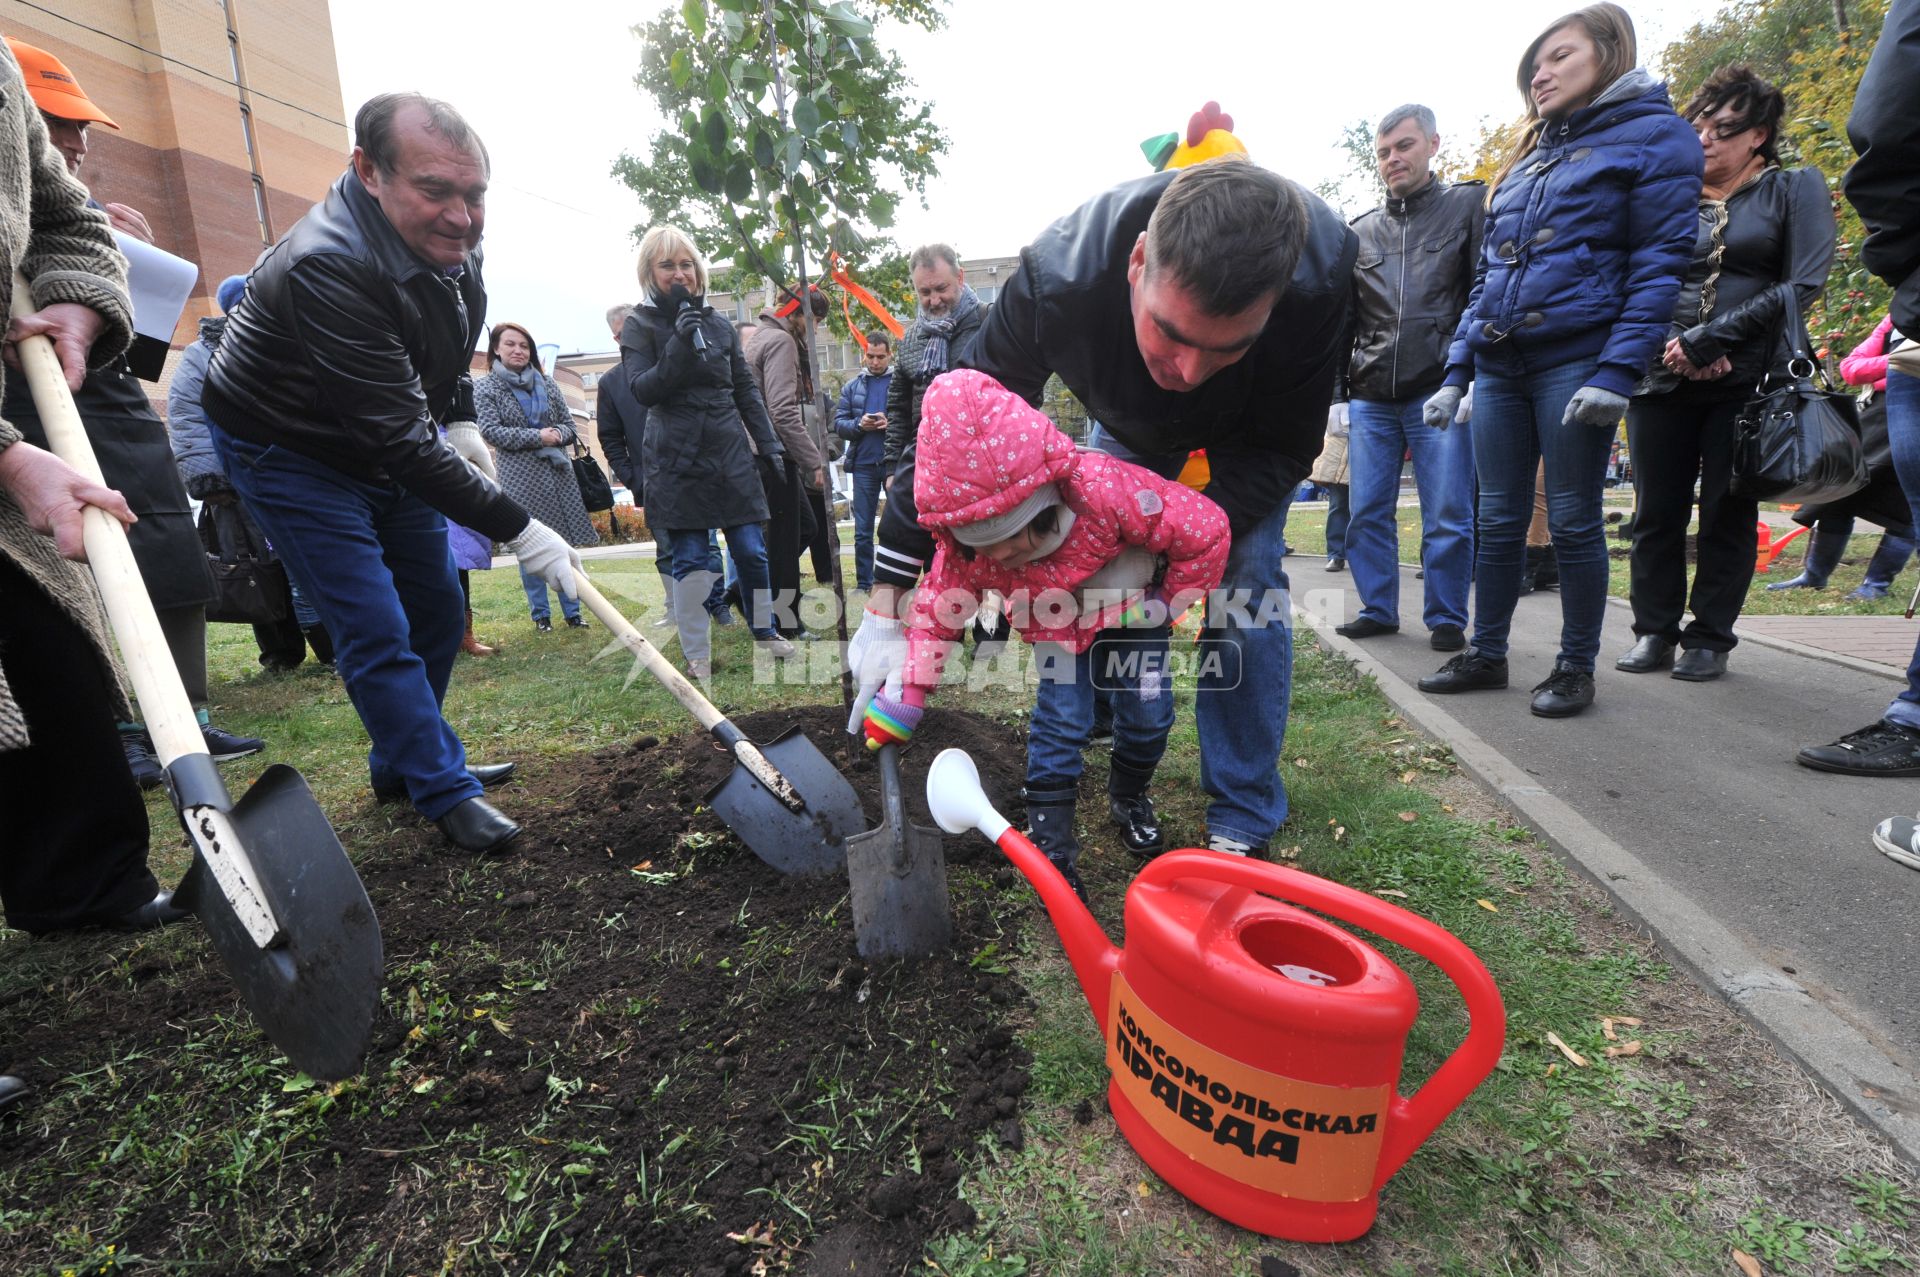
pixel 1590 226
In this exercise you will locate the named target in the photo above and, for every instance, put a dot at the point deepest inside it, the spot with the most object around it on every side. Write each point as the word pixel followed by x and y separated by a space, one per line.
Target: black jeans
pixel 820 542
pixel 1673 444
pixel 785 545
pixel 73 827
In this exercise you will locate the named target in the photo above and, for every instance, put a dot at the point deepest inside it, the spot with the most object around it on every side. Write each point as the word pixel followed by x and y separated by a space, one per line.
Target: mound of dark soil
pixel 632 1047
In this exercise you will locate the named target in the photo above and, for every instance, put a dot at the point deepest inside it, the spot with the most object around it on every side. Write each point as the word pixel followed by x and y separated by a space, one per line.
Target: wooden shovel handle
pixel 156 681
pixel 657 665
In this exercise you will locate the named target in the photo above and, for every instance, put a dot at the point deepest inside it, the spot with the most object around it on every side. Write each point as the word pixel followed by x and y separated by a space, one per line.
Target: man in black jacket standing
pixel 1418 253
pixel 1199 308
pixel 352 342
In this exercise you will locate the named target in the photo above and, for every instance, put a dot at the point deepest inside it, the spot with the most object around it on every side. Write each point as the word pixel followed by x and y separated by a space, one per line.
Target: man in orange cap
pixel 132 444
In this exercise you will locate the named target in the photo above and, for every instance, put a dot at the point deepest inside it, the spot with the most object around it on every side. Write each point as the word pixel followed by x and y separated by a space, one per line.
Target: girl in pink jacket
pixel 1095 558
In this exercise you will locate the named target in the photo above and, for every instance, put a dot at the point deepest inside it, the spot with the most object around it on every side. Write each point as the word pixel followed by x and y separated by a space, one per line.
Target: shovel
pixel 270 881
pixel 786 802
pixel 898 873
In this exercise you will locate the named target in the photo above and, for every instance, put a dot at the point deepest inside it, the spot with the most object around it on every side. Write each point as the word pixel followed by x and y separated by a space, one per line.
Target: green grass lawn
pixel 1664 1157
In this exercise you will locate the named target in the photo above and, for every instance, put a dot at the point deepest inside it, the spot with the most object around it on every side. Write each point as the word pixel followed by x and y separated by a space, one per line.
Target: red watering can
pixel 1254 1048
pixel 1768 549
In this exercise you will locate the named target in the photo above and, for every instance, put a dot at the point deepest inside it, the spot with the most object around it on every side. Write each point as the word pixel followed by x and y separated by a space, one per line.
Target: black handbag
pixel 249 585
pixel 1798 439
pixel 595 492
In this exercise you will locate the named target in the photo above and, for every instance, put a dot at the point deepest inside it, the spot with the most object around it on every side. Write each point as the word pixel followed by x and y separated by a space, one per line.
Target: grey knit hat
pixel 1002 526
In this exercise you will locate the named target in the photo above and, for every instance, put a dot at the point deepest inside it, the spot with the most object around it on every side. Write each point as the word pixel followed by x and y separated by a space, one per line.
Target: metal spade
pixel 898 874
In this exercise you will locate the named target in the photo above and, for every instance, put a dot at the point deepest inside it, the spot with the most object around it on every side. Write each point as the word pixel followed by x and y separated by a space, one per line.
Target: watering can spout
pixel 959 804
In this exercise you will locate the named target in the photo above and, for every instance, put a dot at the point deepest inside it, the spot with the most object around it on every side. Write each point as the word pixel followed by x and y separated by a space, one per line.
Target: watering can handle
pixel 1416 1117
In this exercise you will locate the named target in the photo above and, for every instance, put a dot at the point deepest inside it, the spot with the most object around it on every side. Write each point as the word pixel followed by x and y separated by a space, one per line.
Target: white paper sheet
pixel 160 284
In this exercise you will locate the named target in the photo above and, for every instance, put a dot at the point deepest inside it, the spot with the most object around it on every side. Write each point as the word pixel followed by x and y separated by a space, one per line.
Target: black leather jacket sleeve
pixel 1810 239
pixel 899 417
pixel 656 373
pixel 367 379
pixel 1009 344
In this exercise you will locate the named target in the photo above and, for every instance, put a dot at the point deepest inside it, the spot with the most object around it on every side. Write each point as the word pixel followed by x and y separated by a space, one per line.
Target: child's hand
pixel 891 722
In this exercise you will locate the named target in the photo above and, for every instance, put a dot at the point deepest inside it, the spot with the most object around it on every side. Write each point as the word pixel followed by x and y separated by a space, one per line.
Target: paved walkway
pixel 1684 802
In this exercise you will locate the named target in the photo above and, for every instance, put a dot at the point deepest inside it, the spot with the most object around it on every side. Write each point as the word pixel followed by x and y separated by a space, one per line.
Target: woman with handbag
pixel 524 416
pixel 1760 226
pixel 1589 226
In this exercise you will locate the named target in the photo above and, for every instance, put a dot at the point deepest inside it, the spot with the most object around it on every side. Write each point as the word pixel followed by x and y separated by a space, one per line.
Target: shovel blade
pixel 899 888
pixel 315 992
pixel 812 840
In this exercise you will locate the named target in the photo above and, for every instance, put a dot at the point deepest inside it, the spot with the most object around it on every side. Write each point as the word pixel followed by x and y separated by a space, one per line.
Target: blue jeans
pixel 373 560
pixel 1380 433
pixel 868 483
pixel 693 555
pixel 1131 667
pixel 536 592
pixel 1246 671
pixel 1339 519
pixel 1903 432
pixel 1516 424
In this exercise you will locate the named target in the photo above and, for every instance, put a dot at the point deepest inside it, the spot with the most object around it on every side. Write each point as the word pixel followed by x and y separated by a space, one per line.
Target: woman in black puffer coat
pixel 684 364
pixel 1760 226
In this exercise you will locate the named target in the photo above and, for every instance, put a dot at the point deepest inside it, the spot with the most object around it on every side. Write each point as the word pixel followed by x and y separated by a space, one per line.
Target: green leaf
pixel 735 25
pixel 714 127
pixel 763 150
pixel 718 87
pixel 806 116
pixel 793 155
pixel 740 181
pixel 880 210
pixel 850 134
pixel 844 20
pixel 695 14
pixel 705 175
pixel 680 68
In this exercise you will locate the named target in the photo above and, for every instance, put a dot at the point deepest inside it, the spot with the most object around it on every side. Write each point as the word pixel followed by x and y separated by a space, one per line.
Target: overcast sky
pixel 1045 103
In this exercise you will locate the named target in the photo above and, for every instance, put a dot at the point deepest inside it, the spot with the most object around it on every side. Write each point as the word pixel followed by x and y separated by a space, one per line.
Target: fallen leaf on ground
pixel 1339 832
pixel 643 866
pixel 1142 1189
pixel 1447 807
pixel 1574 1058
pixel 1389 891
pixel 1515 891
pixel 1409 816
pixel 1410 775
pixel 1608 1021
pixel 1625 1048
pixel 1748 1264
pixel 1488 905
pixel 1303 764
pixel 1291 853
pixel 1553 1068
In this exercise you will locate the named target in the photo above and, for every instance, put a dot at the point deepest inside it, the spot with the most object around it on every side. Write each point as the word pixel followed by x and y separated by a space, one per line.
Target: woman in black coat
pixel 684 365
pixel 1760 226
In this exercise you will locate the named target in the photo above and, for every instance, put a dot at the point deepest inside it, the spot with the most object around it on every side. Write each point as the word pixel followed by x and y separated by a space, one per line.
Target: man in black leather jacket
pixel 1201 308
pixel 1418 253
pixel 352 342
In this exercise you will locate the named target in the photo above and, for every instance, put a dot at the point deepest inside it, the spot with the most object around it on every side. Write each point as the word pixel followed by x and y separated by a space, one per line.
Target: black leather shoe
pixel 1446 638
pixel 1467 672
pixel 1650 653
pixel 1363 628
pixel 157 912
pixel 1698 665
pixel 1337 563
pixel 1139 827
pixel 477 826
pixel 12 1092
pixel 490 776
pixel 1564 693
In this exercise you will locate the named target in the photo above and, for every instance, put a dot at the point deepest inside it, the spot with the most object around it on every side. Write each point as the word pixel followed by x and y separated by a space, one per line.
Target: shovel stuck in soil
pixel 898 875
pixel 270 881
pixel 785 801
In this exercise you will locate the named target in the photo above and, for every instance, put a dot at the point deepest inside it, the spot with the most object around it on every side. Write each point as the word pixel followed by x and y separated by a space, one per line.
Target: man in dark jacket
pixel 1418 252
pixel 353 340
pixel 861 419
pixel 1197 308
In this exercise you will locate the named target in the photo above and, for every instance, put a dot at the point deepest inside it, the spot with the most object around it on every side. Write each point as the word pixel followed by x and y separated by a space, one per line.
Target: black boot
pixel 1132 809
pixel 1050 826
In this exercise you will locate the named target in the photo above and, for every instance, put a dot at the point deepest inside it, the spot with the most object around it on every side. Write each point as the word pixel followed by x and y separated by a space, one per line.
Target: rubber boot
pixel 471 645
pixel 1132 810
pixel 691 619
pixel 1050 826
pixel 1887 561
pixel 1823 556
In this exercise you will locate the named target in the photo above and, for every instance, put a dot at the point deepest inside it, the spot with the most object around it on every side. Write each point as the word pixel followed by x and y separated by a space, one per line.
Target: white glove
pixel 1592 406
pixel 542 552
pixel 1465 414
pixel 1337 421
pixel 1439 410
pixel 464 438
pixel 877 658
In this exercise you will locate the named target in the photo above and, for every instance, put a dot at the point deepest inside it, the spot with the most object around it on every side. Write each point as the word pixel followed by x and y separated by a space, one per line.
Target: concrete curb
pixel 1844 1061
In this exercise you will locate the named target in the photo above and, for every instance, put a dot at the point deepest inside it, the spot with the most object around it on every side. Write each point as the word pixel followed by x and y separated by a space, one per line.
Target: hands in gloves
pixel 542 552
pixel 877 658
pixel 1337 420
pixel 890 721
pixel 1439 410
pixel 464 438
pixel 1466 408
pixel 1592 406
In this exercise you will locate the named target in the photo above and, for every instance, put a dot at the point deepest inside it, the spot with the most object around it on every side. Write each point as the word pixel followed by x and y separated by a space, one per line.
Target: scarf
pixel 935 331
pixel 529 389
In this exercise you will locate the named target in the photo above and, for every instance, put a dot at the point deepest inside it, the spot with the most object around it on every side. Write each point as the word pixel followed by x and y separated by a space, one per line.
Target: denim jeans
pixel 1516 423
pixel 868 483
pixel 1380 432
pixel 1903 432
pixel 374 561
pixel 1246 671
pixel 694 580
pixel 1339 518
pixel 1131 667
pixel 536 592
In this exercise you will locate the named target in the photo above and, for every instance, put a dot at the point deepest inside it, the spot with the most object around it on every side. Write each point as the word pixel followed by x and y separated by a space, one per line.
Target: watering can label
pixel 1303 1140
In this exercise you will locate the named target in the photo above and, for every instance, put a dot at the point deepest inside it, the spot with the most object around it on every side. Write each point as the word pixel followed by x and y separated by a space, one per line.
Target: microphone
pixel 681 300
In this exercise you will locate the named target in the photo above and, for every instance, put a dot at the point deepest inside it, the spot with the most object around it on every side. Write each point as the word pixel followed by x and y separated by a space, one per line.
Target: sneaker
pixel 1884 748
pixel 225 746
pixel 1467 672
pixel 576 622
pixel 1227 846
pixel 140 760
pixel 1337 563
pixel 1446 638
pixel 1564 693
pixel 1364 628
pixel 779 648
pixel 700 671
pixel 1898 838
pixel 1801 582
pixel 664 623
pixel 543 626
pixel 723 615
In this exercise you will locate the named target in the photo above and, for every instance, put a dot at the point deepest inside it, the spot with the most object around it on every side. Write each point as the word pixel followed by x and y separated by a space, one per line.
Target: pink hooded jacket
pixel 1867 365
pixel 982 450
